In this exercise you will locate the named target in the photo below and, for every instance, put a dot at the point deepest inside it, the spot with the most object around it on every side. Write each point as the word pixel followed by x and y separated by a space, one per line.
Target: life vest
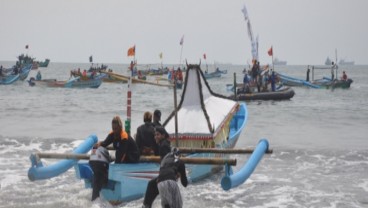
pixel 123 134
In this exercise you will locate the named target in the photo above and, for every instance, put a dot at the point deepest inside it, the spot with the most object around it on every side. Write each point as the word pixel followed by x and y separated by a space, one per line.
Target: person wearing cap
pixel 125 146
pixel 145 136
pixel 157 118
pixel 162 139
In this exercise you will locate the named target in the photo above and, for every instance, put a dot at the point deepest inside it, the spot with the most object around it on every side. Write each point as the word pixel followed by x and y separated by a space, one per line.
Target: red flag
pixel 26 46
pixel 204 56
pixel 270 52
pixel 131 51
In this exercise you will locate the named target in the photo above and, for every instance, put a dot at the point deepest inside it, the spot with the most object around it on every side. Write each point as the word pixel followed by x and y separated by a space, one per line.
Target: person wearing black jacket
pixel 125 146
pixel 145 137
pixel 162 139
pixel 157 118
pixel 171 168
pixel 99 163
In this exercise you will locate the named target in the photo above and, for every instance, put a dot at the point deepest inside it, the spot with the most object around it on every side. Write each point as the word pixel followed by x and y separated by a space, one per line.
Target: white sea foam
pixel 364 185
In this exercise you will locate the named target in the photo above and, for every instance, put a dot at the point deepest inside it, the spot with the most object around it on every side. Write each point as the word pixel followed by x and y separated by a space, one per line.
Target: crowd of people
pixel 175 75
pixel 151 139
pixel 259 78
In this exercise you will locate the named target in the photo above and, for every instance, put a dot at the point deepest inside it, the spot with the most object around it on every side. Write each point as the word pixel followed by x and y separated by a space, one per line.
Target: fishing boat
pixel 24 60
pixel 44 63
pixel 281 93
pixel 205 143
pixel 215 74
pixel 323 83
pixel 8 79
pixel 292 81
pixel 75 82
pixel 328 83
pixel 23 74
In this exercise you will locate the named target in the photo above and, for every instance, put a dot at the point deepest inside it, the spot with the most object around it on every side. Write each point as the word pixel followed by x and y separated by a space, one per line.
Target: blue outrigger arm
pixel 39 172
pixel 231 180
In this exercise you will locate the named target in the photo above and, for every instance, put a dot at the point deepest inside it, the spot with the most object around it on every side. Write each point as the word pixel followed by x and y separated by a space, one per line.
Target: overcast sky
pixel 300 31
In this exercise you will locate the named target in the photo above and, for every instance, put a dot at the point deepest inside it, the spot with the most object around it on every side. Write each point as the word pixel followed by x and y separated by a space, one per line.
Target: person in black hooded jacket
pixel 171 168
pixel 162 139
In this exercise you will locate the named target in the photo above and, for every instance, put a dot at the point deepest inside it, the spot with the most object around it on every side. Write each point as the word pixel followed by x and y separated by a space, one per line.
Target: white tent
pixel 202 114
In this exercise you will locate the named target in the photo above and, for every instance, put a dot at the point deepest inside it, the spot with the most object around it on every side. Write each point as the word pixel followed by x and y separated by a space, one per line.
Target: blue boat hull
pixel 128 182
pixel 212 75
pixel 9 79
pixel 25 71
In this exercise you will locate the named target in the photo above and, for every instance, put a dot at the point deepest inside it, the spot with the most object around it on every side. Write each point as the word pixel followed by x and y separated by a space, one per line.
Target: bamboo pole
pixel 126 78
pixel 155 159
pixel 220 151
pixel 197 161
pixel 213 150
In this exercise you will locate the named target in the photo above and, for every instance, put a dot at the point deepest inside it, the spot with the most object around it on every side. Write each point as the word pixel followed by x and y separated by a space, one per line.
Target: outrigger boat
pixel 210 126
pixel 8 79
pixel 324 83
pixel 75 82
pixel 23 74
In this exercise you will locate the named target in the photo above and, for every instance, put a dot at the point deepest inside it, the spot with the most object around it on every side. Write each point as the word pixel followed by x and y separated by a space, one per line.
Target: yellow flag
pixel 160 55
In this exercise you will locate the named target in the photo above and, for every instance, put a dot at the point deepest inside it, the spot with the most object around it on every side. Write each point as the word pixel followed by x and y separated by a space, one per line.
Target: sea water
pixel 319 139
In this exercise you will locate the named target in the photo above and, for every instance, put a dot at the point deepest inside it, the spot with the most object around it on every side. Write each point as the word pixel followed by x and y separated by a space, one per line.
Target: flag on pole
pixel 26 46
pixel 160 55
pixel 254 43
pixel 131 51
pixel 182 40
pixel 245 12
pixel 270 51
pixel 90 59
pixel 204 56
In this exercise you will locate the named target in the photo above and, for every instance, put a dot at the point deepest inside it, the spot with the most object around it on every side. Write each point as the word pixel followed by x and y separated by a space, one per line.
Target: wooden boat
pixel 215 74
pixel 8 79
pixel 292 81
pixel 44 63
pixel 75 82
pixel 283 93
pixel 328 83
pixel 324 83
pixel 25 71
pixel 216 129
pixel 110 79
pixel 25 60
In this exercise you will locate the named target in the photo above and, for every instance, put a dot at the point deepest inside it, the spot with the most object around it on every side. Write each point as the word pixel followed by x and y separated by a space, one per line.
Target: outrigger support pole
pixel 232 180
pixel 153 159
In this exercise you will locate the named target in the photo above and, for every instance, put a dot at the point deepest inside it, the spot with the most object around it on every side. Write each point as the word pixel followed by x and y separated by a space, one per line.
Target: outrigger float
pixel 210 126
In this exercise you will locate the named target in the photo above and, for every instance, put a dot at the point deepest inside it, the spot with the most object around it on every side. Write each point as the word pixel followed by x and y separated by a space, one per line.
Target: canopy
pixel 201 112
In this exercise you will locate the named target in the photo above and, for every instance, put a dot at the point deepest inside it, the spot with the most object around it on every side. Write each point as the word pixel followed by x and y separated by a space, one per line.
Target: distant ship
pixel 328 61
pixel 343 62
pixel 276 61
